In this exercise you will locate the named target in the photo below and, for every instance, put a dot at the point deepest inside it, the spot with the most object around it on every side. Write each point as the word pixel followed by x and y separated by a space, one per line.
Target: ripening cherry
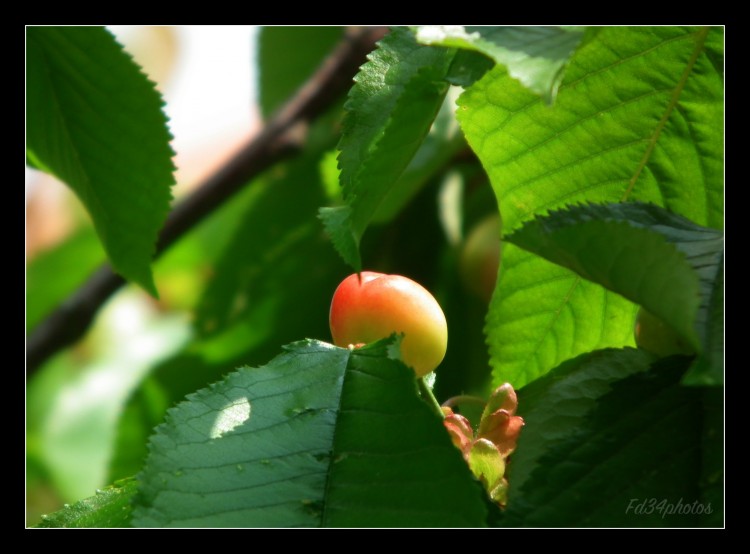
pixel 372 306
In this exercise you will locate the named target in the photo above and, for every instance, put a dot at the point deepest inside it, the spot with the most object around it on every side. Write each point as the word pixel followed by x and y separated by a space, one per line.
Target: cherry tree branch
pixel 278 139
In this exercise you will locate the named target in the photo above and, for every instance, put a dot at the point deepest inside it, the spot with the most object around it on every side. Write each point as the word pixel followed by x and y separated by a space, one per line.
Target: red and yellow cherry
pixel 372 306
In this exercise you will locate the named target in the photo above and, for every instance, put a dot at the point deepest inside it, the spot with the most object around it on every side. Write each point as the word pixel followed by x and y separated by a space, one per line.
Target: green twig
pixel 463 399
pixel 427 396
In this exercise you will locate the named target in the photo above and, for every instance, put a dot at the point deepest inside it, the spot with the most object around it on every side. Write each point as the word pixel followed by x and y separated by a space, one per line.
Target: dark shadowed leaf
pixel 103 133
pixel 660 260
pixel 609 440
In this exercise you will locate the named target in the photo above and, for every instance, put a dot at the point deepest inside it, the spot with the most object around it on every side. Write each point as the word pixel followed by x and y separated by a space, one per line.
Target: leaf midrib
pixel 329 469
pixel 700 41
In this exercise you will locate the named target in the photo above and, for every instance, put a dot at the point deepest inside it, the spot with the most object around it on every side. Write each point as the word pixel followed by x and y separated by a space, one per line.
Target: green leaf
pixel 635 119
pixel 287 56
pixel 660 260
pixel 395 99
pixel 56 273
pixel 709 368
pixel 95 122
pixel 320 436
pixel 552 405
pixel 109 508
pixel 542 314
pixel 536 56
pixel 440 145
pixel 605 433
pixel 338 224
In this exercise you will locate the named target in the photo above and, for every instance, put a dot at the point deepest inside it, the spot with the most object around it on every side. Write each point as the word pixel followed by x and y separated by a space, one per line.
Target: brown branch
pixel 276 141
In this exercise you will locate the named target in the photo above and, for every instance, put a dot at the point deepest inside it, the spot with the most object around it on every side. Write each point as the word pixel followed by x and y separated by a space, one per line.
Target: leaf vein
pixel 576 123
pixel 574 163
pixel 700 40
pixel 626 59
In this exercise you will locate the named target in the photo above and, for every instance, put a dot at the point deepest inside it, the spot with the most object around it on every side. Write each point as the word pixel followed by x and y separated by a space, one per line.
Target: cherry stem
pixel 462 399
pixel 426 392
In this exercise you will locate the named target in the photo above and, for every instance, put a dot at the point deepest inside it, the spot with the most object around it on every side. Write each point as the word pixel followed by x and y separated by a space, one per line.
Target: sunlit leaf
pixel 638 116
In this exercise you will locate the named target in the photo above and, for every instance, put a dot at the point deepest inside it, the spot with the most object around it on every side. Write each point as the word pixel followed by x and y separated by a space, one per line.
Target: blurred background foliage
pixel 257 274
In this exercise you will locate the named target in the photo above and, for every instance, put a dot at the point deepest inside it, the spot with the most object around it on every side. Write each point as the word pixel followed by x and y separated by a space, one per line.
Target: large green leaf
pixel 395 99
pixel 638 116
pixel 536 56
pixel 287 56
pixel 320 436
pixel 660 260
pixel 604 434
pixel 111 507
pixel 95 121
